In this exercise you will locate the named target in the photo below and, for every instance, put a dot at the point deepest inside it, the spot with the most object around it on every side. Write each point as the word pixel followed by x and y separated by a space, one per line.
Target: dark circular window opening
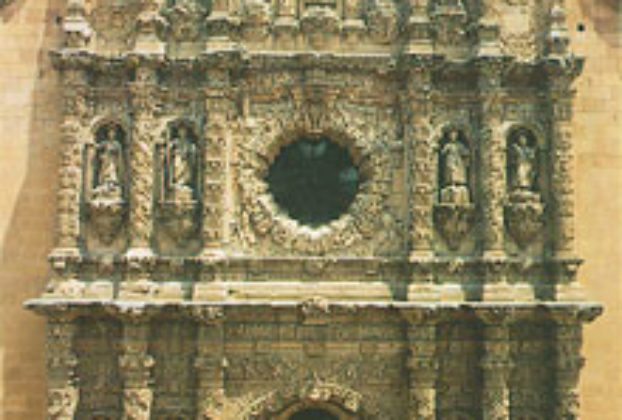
pixel 313 414
pixel 314 180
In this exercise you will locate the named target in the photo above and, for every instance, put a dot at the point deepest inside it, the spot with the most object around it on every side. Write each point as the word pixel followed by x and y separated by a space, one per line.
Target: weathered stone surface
pixel 212 302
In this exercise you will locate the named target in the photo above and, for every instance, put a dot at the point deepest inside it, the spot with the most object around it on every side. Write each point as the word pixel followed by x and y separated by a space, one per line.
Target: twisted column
pixel 141 159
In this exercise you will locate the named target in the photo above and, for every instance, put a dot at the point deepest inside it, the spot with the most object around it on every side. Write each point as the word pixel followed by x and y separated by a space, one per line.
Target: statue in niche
pixel 454 168
pixel 522 168
pixel 180 164
pixel 108 165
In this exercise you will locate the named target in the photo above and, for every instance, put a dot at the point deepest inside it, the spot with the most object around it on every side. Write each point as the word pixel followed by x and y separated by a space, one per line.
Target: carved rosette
pixel 261 219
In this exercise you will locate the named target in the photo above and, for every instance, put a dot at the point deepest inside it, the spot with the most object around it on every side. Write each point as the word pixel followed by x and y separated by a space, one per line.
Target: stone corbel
pixel 523 221
pixel 454 221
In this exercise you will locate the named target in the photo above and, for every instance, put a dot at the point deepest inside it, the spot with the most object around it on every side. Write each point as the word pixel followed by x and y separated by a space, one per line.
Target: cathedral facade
pixel 315 209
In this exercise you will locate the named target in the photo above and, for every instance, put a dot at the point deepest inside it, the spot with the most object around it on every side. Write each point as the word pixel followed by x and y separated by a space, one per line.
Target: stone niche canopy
pixel 281 210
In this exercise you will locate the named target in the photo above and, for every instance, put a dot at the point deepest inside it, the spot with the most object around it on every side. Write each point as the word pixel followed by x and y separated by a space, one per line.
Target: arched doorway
pixel 313 414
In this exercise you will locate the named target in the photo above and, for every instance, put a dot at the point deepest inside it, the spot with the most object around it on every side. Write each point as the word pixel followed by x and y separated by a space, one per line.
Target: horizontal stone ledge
pixel 316 310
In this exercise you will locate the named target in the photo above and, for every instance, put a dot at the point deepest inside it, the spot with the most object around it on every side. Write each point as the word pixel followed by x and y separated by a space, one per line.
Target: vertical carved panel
pixel 422 365
pixel 208 363
pixel 100 383
pixel 141 156
pixel 61 361
pixel 496 364
pixel 135 365
pixel 172 346
pixel 422 162
pixel 460 379
pixel 532 378
pixel 76 111
pixel 492 156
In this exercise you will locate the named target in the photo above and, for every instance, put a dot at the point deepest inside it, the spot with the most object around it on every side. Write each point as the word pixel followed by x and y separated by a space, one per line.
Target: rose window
pixel 313 180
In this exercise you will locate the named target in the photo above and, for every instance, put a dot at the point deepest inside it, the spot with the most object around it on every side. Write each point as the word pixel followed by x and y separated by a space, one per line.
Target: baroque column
pixel 422 168
pixel 217 129
pixel 568 341
pixel 496 363
pixel 209 362
pixel 135 365
pixel 422 363
pixel 492 153
pixel 143 92
pixel 76 116
pixel 61 362
pixel 560 78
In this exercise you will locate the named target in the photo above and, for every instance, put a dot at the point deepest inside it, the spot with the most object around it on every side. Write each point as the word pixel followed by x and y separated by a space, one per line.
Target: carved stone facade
pixel 446 290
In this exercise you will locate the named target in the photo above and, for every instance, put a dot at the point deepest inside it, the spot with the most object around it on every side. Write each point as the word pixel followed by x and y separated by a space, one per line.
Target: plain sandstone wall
pixel 29 106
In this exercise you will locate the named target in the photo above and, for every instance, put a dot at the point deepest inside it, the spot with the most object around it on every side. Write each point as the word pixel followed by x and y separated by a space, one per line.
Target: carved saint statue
pixel 108 166
pixel 454 170
pixel 522 164
pixel 180 164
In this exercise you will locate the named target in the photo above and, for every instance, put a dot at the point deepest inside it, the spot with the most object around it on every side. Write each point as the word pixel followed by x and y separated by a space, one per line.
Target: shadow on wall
pixel 29 236
pixel 605 17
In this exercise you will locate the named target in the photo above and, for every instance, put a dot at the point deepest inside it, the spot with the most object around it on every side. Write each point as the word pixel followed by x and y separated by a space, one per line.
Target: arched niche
pixel 524 166
pixel 454 165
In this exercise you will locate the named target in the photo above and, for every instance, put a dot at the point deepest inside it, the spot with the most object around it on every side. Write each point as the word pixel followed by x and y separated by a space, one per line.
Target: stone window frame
pixel 266 218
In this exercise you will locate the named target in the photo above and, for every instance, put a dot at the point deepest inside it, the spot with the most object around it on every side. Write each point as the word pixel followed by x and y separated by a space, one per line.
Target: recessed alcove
pixel 313 180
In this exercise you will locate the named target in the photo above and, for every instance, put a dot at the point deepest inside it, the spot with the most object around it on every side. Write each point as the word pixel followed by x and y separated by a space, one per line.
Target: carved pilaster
pixel 135 364
pixel 422 364
pixel 421 165
pixel 209 363
pixel 562 153
pixel 144 105
pixel 496 363
pixel 218 129
pixel 76 112
pixel 492 154
pixel 61 361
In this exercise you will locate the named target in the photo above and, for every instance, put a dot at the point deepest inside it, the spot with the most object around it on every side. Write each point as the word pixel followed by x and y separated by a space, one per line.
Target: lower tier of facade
pixel 313 359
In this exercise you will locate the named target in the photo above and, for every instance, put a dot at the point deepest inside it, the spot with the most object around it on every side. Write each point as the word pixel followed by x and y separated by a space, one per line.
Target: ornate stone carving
pixel 106 182
pixel 224 306
pixel 179 186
